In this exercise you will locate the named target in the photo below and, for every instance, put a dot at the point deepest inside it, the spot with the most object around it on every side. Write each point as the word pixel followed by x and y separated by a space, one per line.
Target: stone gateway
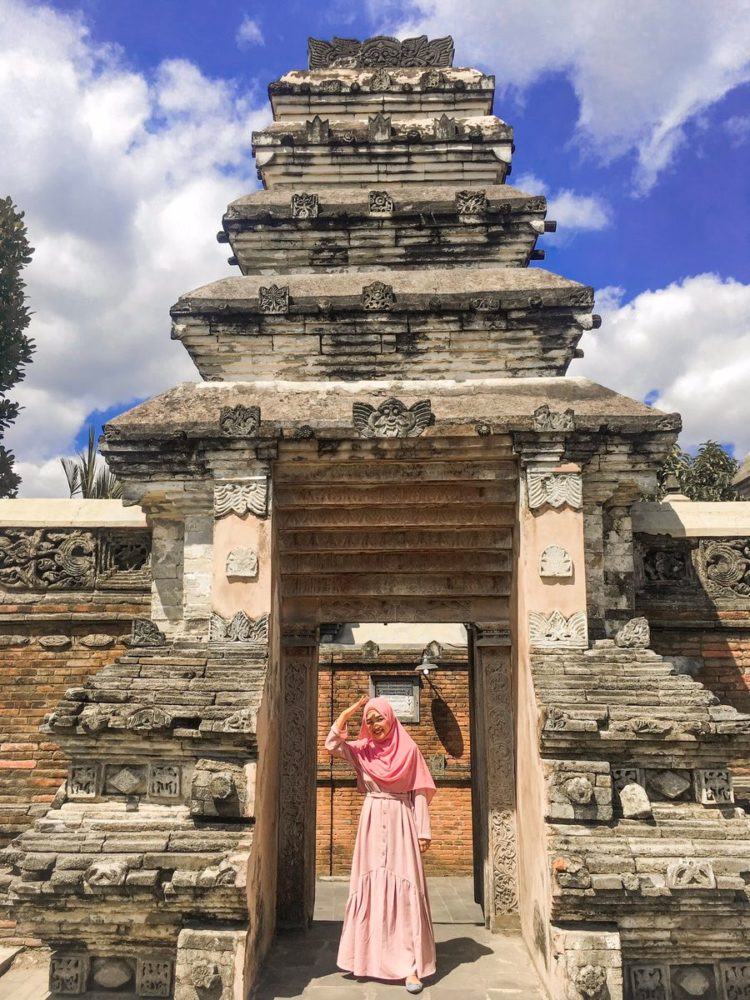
pixel 383 433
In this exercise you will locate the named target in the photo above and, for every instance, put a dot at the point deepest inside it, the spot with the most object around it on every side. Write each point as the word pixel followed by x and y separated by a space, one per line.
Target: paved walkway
pixel 472 963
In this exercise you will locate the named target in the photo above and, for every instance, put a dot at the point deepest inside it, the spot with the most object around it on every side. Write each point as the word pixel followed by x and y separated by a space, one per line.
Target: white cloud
pixel 249 33
pixel 738 129
pixel 570 210
pixel 123 178
pixel 691 343
pixel 641 70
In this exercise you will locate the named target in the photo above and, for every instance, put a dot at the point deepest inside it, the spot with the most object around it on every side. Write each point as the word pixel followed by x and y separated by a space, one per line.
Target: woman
pixel 387 926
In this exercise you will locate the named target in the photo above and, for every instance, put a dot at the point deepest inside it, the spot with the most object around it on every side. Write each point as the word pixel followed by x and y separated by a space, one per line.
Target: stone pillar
pixel 198 570
pixel 167 547
pixel 495 775
pixel 297 798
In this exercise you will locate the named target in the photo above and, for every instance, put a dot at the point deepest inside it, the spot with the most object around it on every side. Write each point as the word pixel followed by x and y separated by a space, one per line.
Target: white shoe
pixel 414 987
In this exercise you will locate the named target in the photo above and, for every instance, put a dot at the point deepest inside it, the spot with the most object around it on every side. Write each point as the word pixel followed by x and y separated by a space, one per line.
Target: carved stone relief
pixel 128 780
pixel 378 297
pixel 713 786
pixel 239 421
pixel 591 981
pixel 380 203
pixel 649 982
pixel 154 978
pixel 240 628
pixel 68 974
pixel 434 80
pixel 392 419
pixel 242 564
pixel 305 206
pixel 555 562
pixel 274 299
pixel 349 53
pixel 735 978
pixel 317 130
pixel 634 634
pixel 548 420
pixel 668 784
pixel 218 788
pixel 472 202
pixel 554 630
pixel 445 127
pixel 379 128
pixel 626 775
pixel 248 496
pixel 724 568
pixel 83 781
pixel 554 489
pixel 113 973
pixel 380 81
pixel 46 559
pixel 146 633
pixel 105 873
pixel 164 781
pixel 691 874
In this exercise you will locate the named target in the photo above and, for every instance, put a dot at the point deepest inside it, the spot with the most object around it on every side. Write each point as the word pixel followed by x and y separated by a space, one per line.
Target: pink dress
pixel 387 930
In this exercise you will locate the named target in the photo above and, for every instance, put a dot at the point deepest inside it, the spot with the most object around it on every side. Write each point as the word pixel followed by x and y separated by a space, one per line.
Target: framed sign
pixel 401 692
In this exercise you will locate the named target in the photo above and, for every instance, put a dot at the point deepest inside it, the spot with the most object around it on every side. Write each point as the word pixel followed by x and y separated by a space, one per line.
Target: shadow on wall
pixel 447 728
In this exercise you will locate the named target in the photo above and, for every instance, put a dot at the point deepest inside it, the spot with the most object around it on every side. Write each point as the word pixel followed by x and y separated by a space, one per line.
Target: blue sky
pixel 130 123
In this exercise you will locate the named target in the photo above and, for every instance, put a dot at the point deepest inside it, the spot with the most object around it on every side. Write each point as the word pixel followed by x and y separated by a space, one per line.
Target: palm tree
pixel 88 475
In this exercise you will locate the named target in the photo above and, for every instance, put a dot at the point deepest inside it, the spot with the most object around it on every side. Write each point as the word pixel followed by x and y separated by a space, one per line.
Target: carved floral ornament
pixel 380 203
pixel 555 631
pixel 378 297
pixel 247 496
pixel 240 628
pixel 472 203
pixel 274 299
pixel 305 206
pixel 555 561
pixel 239 421
pixel 549 420
pixel 554 489
pixel 349 53
pixel 69 559
pixel 392 419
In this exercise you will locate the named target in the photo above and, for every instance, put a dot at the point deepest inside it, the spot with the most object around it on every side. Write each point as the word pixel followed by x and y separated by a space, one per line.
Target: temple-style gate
pixel 383 433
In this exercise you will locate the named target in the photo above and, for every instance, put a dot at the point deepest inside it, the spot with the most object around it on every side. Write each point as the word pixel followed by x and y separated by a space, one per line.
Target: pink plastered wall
pixel 232 594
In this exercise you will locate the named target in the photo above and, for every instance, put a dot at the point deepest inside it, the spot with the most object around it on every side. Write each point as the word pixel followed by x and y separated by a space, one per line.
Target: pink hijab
pixel 396 762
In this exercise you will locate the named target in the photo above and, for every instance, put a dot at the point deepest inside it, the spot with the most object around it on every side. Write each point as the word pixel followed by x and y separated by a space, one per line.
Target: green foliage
pixel 88 476
pixel 705 476
pixel 16 348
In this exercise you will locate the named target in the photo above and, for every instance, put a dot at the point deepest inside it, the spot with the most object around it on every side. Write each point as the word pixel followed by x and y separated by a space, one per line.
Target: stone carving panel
pixel 735 977
pixel 125 780
pixel 218 789
pixel 392 419
pixel 239 421
pixel 649 982
pixel 146 633
pixel 713 786
pixel 47 559
pixel 380 81
pixel 445 127
pixel 164 781
pixel 666 566
pixel 693 982
pixel 724 568
pixel 349 53
pixel 274 299
pixel 379 128
pixel 554 489
pixel 634 634
pixel 68 974
pixel 472 203
pixel 244 497
pixel 627 775
pixel 242 564
pixel 555 631
pixel 378 297
pixel 691 874
pixel 154 978
pixel 106 873
pixel 380 203
pixel 549 420
pixel 305 206
pixel 113 973
pixel 240 628
pixel 83 781
pixel 317 130
pixel 669 784
pixel 555 562
pixel 591 981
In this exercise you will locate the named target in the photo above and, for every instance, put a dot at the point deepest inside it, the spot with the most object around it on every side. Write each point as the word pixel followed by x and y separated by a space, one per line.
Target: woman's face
pixel 378 726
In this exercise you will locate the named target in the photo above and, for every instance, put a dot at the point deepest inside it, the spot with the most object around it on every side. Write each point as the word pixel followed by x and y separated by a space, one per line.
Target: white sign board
pixel 402 694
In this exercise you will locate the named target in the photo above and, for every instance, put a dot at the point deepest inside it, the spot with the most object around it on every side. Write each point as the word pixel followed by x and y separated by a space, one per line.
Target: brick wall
pixel 443 733
pixel 34 679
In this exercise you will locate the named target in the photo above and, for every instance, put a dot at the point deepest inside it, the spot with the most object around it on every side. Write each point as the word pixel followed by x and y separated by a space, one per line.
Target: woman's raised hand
pixel 356 707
